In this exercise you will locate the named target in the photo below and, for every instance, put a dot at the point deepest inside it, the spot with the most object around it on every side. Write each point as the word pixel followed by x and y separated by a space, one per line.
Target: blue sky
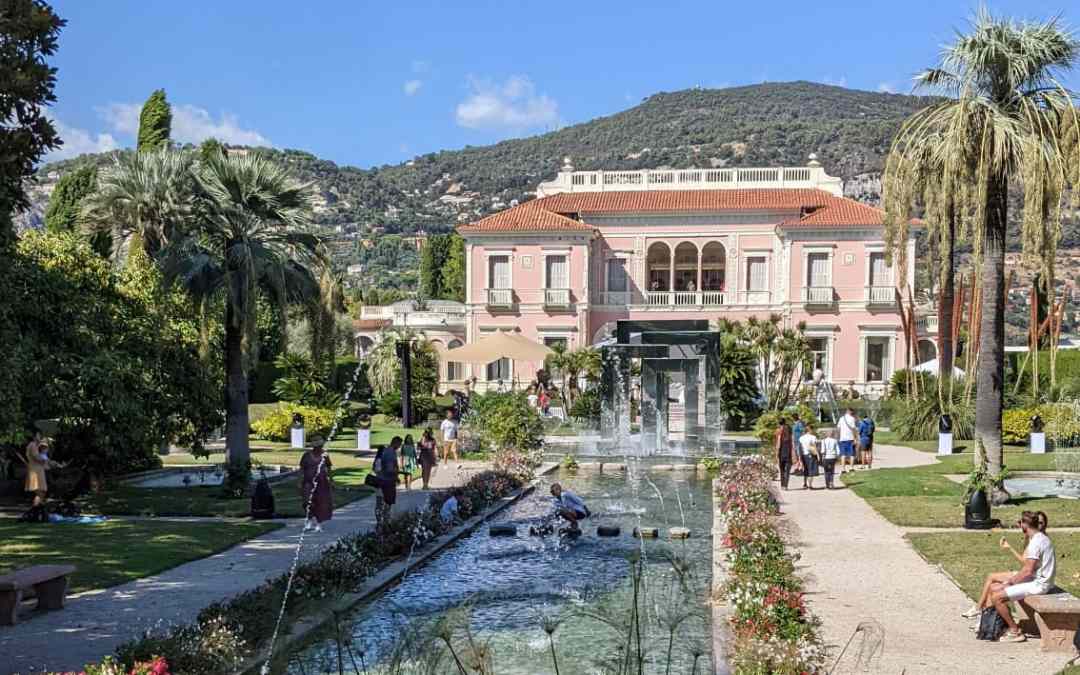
pixel 369 83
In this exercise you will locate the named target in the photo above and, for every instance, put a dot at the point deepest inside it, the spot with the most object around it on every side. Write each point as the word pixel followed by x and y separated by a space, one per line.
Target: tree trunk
pixel 991 366
pixel 946 348
pixel 238 451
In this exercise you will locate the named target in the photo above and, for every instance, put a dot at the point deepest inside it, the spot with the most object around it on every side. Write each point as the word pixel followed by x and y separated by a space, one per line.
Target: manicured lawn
pixel 207 501
pixel 115 552
pixel 969 557
pixel 924 497
pixel 283 457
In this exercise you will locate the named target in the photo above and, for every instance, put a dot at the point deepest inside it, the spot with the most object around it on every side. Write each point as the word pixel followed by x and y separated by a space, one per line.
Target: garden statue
pixel 296 432
pixel 262 500
pixel 1037 437
pixel 945 435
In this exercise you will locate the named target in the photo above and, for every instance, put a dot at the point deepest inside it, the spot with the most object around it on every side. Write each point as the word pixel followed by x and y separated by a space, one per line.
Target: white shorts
pixel 1021 591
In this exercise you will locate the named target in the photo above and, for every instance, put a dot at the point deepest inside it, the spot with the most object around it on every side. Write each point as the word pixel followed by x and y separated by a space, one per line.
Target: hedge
pixel 1061 423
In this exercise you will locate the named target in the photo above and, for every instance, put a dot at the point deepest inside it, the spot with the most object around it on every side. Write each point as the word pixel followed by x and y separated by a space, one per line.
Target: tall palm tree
pixel 384 366
pixel 250 234
pixel 1007 119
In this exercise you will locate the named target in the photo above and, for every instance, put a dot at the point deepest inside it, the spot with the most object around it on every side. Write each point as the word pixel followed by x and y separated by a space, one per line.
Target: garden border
pixel 305 626
pixel 721 610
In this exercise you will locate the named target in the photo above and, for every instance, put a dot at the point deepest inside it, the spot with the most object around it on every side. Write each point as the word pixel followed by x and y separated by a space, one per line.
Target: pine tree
pixel 452 273
pixel 28 34
pixel 155 123
pixel 63 211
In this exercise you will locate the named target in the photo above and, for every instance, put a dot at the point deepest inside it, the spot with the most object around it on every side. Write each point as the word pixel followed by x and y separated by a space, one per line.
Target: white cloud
pixel 190 124
pixel 412 86
pixel 836 82
pixel 78 142
pixel 886 88
pixel 513 104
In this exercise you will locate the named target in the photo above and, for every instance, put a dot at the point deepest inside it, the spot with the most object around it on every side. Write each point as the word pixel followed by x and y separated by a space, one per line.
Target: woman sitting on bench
pixel 1036 576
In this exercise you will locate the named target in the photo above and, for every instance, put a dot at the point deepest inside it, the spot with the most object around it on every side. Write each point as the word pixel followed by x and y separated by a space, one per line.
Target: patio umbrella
pixel 499 346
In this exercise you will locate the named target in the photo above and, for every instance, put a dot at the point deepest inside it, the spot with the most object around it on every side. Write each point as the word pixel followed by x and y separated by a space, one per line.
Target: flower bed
pixel 773 631
pixel 226 632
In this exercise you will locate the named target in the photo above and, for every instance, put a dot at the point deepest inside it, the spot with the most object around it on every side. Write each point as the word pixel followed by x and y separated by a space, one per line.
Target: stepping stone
pixel 589 466
pixel 608 531
pixel 613 468
pixel 647 532
pixel 662 467
pixel 502 530
pixel 679 533
pixel 684 467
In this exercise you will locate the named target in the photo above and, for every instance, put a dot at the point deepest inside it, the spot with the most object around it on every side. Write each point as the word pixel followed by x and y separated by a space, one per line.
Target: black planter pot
pixel 977 512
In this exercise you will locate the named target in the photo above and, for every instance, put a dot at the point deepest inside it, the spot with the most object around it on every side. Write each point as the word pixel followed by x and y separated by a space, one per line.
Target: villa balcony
pixel 681 300
pixel 500 298
pixel 880 297
pixel 927 325
pixel 818 296
pixel 557 298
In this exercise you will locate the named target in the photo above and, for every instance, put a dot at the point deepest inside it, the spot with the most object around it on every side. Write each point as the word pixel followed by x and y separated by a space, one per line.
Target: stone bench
pixel 1056 615
pixel 49 583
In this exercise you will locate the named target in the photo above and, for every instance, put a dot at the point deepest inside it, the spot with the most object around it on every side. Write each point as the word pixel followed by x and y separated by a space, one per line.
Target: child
pixel 830 450
pixel 408 465
pixel 808 448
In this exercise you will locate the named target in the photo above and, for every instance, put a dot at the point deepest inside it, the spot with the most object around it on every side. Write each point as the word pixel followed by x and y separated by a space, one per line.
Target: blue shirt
pixel 797 430
pixel 571 501
pixel 866 431
pixel 449 510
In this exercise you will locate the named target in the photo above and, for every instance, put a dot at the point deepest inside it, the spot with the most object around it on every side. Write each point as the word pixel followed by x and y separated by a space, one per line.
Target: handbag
pixel 371 480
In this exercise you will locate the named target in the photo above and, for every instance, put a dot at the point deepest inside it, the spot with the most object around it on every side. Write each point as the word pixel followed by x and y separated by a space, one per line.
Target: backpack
pixel 991 625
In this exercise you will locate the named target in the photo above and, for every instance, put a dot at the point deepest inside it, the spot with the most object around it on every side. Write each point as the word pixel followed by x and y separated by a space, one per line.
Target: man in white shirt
pixel 847 428
pixel 830 450
pixel 449 511
pixel 449 429
pixel 808 448
pixel 570 507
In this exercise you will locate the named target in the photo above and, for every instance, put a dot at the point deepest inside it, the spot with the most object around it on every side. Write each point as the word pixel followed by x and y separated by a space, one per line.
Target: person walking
pixel 408 460
pixel 866 440
pixel 847 427
pixel 785 451
pixel 797 430
pixel 386 469
pixel 449 429
pixel 830 450
pixel 428 456
pixel 316 489
pixel 808 445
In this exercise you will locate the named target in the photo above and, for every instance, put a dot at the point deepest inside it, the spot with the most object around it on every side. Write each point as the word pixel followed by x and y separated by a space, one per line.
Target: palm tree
pixel 251 234
pixel 384 366
pixel 1007 119
pixel 144 199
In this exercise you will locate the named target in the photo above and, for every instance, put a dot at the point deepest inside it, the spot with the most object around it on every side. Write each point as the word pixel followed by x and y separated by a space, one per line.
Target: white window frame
pixel 889 366
pixel 497 253
pixel 565 255
pixel 806 253
pixel 830 340
pixel 753 255
pixel 868 251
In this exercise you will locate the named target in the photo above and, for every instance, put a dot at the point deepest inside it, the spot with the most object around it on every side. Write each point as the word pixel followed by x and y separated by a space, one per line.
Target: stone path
pixel 95 623
pixel 859 568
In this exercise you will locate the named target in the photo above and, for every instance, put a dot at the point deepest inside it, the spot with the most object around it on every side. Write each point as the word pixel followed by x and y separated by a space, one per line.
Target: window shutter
pixel 819 269
pixel 756 273
pixel 616 280
pixel 500 272
pixel 880 273
pixel 558 272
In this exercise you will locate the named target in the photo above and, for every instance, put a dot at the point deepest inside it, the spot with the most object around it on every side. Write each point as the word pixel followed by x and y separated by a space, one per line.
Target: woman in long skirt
pixel 428 455
pixel 316 491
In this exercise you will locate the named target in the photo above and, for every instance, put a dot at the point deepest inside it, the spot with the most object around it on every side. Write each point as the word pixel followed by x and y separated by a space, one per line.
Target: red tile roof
pixel 561 212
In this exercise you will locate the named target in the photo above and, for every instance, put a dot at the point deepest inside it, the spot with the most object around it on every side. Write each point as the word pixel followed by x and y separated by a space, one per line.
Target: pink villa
pixel 597 247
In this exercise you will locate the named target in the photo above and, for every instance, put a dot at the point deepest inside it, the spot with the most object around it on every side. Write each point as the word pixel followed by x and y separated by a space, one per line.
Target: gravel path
pixel 859 569
pixel 95 623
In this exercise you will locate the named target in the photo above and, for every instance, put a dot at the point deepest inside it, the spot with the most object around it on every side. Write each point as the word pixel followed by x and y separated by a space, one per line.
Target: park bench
pixel 1056 615
pixel 48 582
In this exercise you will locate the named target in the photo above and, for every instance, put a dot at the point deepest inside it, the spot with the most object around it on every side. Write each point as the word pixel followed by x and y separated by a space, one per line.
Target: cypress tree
pixel 432 258
pixel 63 211
pixel 452 273
pixel 155 123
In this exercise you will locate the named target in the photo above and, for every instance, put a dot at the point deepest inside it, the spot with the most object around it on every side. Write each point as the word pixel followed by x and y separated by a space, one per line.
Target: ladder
pixel 823 394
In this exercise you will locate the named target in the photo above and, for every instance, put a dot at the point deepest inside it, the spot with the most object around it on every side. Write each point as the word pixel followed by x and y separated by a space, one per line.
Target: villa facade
pixel 597 247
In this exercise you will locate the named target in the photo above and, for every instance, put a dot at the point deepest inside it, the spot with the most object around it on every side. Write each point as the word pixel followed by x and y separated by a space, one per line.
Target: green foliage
pixel 737 380
pixel 155 123
pixel 586 407
pixel 275 426
pixel 505 420
pixel 452 274
pixel 30 30
pixel 62 214
pixel 433 257
pixel 768 422
pixel 389 404
pixel 385 366
pixel 112 355
pixel 569 462
pixel 917 419
pixel 304 382
pixel 211 148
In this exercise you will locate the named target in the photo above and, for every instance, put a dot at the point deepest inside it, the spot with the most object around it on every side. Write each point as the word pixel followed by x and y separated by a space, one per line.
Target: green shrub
pixel 1016 425
pixel 586 408
pixel 1060 422
pixel 275 426
pixel 917 419
pixel 505 420
pixel 765 427
pixel 389 404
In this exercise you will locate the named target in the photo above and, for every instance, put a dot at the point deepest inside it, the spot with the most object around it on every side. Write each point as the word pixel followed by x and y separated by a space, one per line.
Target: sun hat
pixel 316 441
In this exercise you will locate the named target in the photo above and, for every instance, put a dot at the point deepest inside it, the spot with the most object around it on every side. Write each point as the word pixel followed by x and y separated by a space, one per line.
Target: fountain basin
pixel 193 476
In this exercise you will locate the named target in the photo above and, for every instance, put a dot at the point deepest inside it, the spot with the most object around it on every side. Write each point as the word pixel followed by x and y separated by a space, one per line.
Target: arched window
pixel 658 266
pixel 713 264
pixel 686 267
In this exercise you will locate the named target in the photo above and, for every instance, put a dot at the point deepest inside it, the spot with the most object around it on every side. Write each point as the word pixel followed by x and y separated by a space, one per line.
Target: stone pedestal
pixel 296 438
pixel 944 444
pixel 363 439
pixel 1038 443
